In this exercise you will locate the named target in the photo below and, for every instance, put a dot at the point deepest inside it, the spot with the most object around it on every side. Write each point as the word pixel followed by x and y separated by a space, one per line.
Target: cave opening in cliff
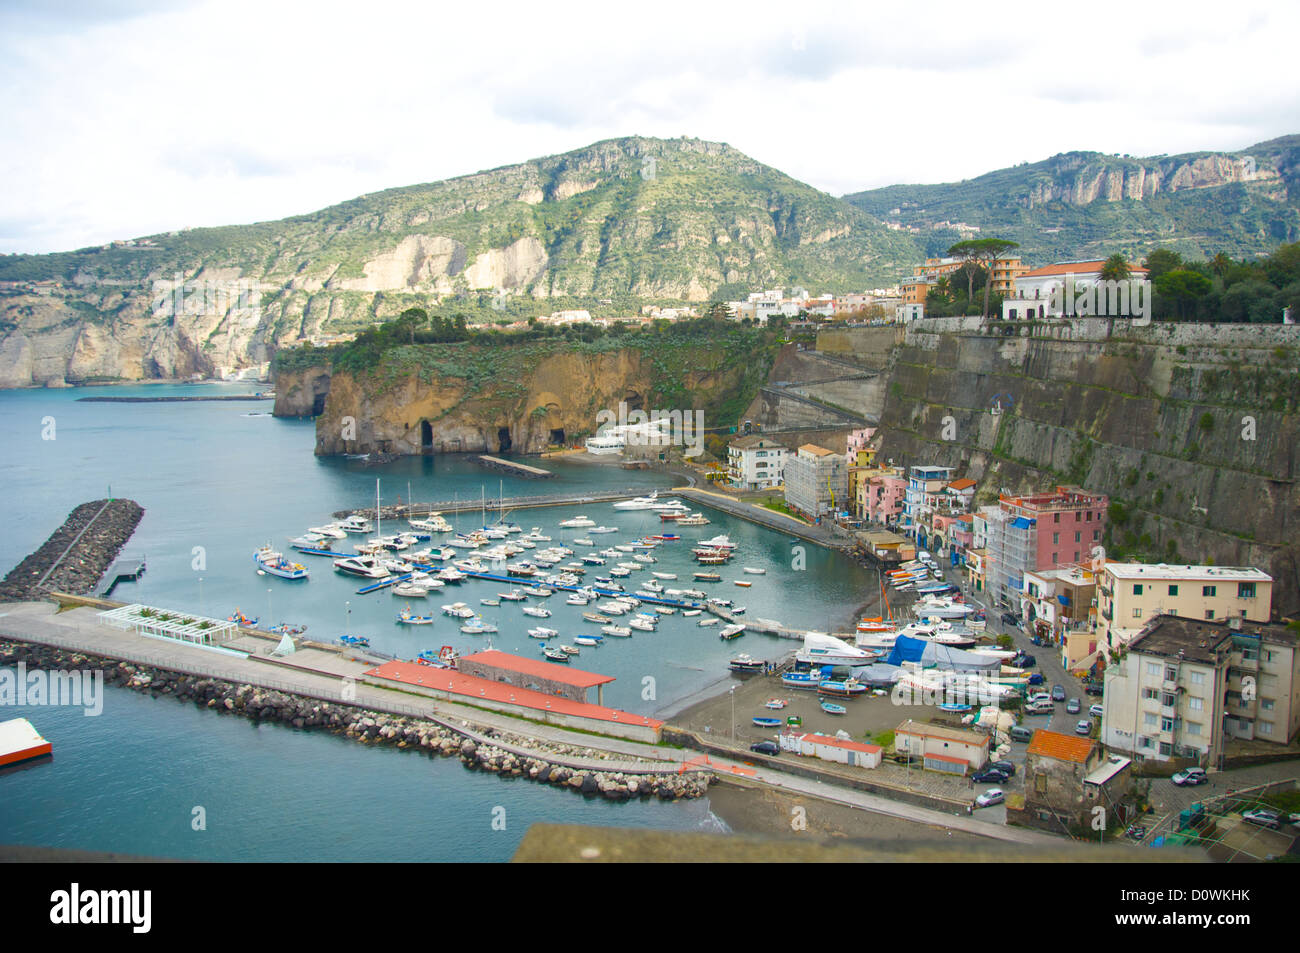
pixel 503 440
pixel 426 437
pixel 318 405
pixel 557 437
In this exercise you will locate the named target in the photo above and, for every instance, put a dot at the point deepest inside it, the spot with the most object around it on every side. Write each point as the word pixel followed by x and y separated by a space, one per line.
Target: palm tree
pixel 1116 268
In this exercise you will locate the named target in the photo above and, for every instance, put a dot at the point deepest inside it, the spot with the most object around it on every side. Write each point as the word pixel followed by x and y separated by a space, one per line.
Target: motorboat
pixel 355 524
pixel 641 625
pixel 822 649
pixel 407 617
pixel 577 522
pixel 753 571
pixel 478 626
pixel 602 530
pixel 332 530
pixel 542 633
pixel 711 620
pixel 639 503
pixel 458 610
pixel 588 640
pixel 730 632
pixel 269 561
pixel 410 590
pixel 746 663
pixel 537 611
pixel 367 567
pixel 618 630
pixel 694 519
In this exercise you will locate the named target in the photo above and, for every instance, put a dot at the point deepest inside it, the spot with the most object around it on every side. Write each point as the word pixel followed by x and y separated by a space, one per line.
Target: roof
pixel 942 731
pixel 753 441
pixel 1053 744
pixel 1107 769
pixel 547 670
pixel 472 687
pixel 944 757
pixel 832 742
pixel 1075 268
pixel 1159 571
pixel 1189 640
pixel 815 450
pixel 961 484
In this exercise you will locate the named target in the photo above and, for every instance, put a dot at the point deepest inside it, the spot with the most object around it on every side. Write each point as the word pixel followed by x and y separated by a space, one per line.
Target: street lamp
pixel 732 693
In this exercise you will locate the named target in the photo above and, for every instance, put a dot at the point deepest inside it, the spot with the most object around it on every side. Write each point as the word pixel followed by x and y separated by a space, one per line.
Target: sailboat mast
pixel 378 524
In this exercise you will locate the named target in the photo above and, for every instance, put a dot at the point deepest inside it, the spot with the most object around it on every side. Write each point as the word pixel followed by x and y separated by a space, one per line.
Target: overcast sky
pixel 130 117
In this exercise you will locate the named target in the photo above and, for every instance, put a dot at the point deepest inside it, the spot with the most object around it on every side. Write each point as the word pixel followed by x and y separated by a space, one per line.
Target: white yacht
pixel 367 567
pixel 577 522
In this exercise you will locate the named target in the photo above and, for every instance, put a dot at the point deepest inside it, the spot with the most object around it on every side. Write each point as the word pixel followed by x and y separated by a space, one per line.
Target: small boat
pixel 577 522
pixel 458 610
pixel 954 707
pixel 617 630
pixel 541 633
pixel 744 663
pixel 707 577
pixel 711 620
pixel 597 617
pixel 776 704
pixel 664 575
pixel 767 722
pixel 588 640
pixel 731 632
pixel 410 590
pixel 514 595
pixel 478 627
pixel 603 529
pixel 569 649
pixel 691 612
pixel 809 680
pixel 555 655
pixel 537 611
pixel 741 582
pixel 240 619
pixel 833 709
pixel 489 602
pixel 755 572
pixel 406 617
pixel 284 628
pixel 269 561
pixel 846 688
pixel 641 625
pixel 356 640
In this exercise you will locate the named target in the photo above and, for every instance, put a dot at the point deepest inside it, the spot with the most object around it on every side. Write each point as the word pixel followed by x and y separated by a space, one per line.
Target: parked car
pixel 1092 688
pixel 1040 708
pixel 1037 697
pixel 1010 618
pixel 765 747
pixel 989 776
pixel 1058 693
pixel 1096 711
pixel 1083 728
pixel 1021 733
pixel 1191 776
pixel 1073 706
pixel 1024 661
pixel 1037 679
pixel 1006 767
pixel 1263 818
pixel 990 797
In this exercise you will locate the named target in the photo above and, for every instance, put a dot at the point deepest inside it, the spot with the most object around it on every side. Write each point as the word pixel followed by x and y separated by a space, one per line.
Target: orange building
pixel 924 277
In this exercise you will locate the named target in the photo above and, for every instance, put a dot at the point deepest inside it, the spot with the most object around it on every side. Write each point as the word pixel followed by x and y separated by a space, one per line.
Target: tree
pixel 1184 287
pixel 986 252
pixel 1161 262
pixel 718 311
pixel 1115 269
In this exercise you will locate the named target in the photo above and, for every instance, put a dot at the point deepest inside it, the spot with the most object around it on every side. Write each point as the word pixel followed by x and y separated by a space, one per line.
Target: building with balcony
pixel 1032 293
pixel 1130 594
pixel 924 485
pixel 880 496
pixel 1263 697
pixel 755 463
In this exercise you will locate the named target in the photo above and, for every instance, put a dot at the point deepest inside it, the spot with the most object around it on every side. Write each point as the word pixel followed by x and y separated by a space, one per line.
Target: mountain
pixel 608 227
pixel 1080 205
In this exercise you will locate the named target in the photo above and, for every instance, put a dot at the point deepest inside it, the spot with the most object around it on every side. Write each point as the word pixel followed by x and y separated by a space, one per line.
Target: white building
pixel 1036 288
pixel 756 463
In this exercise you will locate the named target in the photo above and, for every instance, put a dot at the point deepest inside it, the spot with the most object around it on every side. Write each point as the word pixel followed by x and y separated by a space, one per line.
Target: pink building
pixel 883 497
pixel 1041 531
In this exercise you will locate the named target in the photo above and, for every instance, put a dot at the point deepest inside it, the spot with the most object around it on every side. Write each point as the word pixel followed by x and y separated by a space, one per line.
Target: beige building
pixel 1131 594
pixel 1263 699
pixel 940 748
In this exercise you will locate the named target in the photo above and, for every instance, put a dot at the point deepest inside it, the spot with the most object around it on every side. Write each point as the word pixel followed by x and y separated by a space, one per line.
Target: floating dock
pixel 517 469
pixel 126 568
pixel 20 741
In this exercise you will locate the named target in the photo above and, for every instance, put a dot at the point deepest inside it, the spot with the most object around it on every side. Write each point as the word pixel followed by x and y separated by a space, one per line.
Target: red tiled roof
pixel 962 483
pixel 548 670
pixel 1053 744
pixel 1074 268
pixel 472 688
pixel 831 742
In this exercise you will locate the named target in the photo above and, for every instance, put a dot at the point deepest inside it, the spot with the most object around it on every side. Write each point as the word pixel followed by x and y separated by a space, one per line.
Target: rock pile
pixel 79 569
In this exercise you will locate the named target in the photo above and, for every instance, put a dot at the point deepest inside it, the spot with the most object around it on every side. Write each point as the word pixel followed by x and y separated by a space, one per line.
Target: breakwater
pixel 488 749
pixel 168 400
pixel 77 554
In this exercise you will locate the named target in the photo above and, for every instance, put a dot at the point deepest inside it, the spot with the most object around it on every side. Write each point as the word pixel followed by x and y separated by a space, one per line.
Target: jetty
pixel 169 400
pixel 128 567
pixel 78 553
pixel 513 468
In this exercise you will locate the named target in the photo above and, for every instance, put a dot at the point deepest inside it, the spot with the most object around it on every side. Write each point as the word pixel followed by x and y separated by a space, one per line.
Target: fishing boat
pixel 767 722
pixel 478 626
pixel 407 617
pixel 359 641
pixel 744 663
pixel 776 704
pixel 801 680
pixel 843 688
pixel 541 633
pixel 833 709
pixel 731 632
pixel 269 561
pixel 707 577
pixel 284 628
pixel 555 655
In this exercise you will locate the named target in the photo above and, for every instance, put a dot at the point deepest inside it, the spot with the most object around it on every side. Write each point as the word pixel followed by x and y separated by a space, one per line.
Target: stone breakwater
pixel 380 728
pixel 76 555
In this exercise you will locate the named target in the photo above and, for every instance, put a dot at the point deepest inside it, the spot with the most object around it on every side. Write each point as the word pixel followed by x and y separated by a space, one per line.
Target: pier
pixel 77 554
pixel 515 469
pixel 128 567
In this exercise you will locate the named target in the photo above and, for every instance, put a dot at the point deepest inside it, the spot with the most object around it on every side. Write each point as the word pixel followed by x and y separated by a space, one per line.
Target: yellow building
pixel 1131 594
pixel 924 277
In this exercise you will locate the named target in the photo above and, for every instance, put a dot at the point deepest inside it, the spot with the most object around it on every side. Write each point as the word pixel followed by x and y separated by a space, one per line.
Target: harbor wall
pixel 77 553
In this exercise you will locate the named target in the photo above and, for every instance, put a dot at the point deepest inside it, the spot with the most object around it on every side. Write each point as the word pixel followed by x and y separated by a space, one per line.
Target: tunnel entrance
pixel 318 405
pixel 503 440
pixel 426 437
pixel 557 437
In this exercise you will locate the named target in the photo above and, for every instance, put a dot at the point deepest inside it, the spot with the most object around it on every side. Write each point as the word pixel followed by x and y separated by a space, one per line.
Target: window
pixel 1149 719
pixel 1144 742
pixel 1193 728
pixel 1078 537
pixel 1137 588
pixel 1266 704
pixel 1265 727
pixel 1153 668
pixel 1096 535
pixel 1173 590
pixel 1195 704
pixel 1137 613
pixel 1208 591
pixel 1089 516
pixel 1196 678
pixel 1150 693
pixel 1209 613
pixel 1245 590
pixel 1056 518
pixel 1167 699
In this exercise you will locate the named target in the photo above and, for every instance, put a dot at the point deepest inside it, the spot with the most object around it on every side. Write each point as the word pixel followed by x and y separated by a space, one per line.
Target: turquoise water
pixel 216 484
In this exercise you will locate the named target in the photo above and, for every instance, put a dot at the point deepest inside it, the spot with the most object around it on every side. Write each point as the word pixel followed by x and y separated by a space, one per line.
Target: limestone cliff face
pixel 1192 429
pixel 554 399
pixel 1080 179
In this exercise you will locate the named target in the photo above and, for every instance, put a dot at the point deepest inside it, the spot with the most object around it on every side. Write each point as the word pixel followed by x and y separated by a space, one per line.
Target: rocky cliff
pixel 521 397
pixel 1191 430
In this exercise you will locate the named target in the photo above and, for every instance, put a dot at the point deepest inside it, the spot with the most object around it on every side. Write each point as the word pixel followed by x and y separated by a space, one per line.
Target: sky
pixel 126 118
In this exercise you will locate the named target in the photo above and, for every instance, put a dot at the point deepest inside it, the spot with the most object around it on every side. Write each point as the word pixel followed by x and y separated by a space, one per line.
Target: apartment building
pixel 880 495
pixel 816 481
pixel 1130 594
pixel 924 485
pixel 1031 295
pixel 926 276
pixel 1263 698
pixel 755 463
pixel 1038 531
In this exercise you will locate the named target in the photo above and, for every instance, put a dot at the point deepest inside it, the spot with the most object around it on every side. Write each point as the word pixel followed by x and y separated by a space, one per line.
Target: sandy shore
pixel 749 810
